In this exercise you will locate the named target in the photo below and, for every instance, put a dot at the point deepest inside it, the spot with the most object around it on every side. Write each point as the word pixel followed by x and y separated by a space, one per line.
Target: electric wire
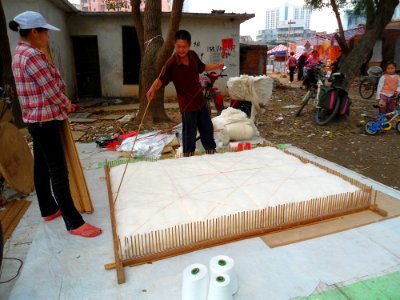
pixel 19 269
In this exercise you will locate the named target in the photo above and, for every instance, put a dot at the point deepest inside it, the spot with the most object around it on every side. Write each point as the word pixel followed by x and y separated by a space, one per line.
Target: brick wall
pixel 253 59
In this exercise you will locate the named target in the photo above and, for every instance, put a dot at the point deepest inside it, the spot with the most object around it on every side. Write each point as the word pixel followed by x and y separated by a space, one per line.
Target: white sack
pixel 237 125
pixel 257 89
pixel 221 135
pixel 240 131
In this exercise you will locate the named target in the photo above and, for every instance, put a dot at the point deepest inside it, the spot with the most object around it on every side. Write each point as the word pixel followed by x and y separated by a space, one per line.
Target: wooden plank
pixel 334 225
pixel 118 262
pixel 79 190
pixel 11 215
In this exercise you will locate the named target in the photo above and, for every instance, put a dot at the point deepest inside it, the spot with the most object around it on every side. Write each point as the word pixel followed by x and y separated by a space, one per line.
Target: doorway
pixel 87 66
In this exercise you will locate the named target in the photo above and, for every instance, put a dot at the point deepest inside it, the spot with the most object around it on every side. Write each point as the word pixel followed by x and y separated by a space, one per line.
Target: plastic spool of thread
pixel 195 282
pixel 220 287
pixel 222 264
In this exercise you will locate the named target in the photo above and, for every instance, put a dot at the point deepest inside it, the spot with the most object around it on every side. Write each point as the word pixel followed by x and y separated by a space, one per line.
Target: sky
pixel 320 20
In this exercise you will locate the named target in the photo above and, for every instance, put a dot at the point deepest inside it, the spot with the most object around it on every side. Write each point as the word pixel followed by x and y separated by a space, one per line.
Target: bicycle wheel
pixel 306 99
pixel 371 128
pixel 323 116
pixel 366 88
pixel 398 127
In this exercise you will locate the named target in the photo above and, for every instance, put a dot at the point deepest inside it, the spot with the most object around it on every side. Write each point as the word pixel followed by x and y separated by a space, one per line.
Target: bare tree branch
pixel 138 23
pixel 173 26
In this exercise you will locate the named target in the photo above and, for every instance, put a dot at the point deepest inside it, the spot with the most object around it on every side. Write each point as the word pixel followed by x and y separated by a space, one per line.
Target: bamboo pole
pixel 118 262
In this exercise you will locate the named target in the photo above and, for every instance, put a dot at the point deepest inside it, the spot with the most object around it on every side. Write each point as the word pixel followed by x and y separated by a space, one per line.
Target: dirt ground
pixel 343 142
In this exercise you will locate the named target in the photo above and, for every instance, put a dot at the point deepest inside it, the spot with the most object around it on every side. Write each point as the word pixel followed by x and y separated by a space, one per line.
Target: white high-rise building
pixel 280 16
pixel 286 22
pixel 272 18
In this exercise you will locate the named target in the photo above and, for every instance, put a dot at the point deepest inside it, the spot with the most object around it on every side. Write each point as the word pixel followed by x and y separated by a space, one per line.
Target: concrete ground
pixel 57 265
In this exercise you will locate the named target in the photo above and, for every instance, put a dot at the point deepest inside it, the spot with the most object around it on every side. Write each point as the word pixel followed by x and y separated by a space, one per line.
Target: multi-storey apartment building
pixel 288 21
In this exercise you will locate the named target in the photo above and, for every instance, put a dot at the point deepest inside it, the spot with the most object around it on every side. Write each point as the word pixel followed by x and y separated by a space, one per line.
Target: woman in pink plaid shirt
pixel 40 90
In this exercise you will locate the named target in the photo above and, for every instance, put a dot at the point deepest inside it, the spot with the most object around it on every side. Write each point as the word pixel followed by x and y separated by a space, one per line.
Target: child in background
pixel 388 86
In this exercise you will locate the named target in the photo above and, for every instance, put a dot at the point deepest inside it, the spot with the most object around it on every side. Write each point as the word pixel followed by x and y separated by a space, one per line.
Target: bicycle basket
pixel 375 71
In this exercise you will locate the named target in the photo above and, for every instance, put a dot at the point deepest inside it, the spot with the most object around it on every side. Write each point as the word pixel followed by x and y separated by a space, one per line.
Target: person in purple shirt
pixel 309 76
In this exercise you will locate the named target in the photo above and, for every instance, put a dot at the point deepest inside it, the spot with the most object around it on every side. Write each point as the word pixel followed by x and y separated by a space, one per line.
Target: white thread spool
pixel 220 287
pixel 195 282
pixel 222 264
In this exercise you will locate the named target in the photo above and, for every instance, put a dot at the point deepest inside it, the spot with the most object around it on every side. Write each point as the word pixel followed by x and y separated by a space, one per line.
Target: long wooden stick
pixel 118 262
pixel 131 152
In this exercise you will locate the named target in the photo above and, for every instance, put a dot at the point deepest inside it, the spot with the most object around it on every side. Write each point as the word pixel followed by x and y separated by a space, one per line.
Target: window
pixel 130 55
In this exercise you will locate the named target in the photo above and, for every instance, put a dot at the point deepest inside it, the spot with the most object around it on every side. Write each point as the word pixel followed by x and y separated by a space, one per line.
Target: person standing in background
pixel 300 65
pixel 292 65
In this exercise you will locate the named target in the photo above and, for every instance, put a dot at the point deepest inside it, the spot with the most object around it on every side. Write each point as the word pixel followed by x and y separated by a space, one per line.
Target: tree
pixel 378 13
pixel 154 51
pixel 116 5
pixel 7 77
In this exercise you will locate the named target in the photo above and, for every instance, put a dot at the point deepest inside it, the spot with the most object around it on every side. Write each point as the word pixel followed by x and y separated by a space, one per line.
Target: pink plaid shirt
pixel 39 85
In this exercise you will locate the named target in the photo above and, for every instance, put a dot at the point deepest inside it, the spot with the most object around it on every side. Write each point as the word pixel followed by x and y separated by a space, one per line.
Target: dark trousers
pixel 191 121
pixel 51 173
pixel 291 73
pixel 300 73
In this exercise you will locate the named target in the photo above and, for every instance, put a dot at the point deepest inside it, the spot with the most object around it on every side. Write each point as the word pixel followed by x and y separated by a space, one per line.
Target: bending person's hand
pixel 154 87
pixel 150 94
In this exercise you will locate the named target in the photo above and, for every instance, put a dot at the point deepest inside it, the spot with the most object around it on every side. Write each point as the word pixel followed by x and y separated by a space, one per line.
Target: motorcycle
pixel 211 93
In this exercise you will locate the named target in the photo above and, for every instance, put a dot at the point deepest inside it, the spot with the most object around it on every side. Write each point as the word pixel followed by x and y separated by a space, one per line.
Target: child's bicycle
pixel 384 122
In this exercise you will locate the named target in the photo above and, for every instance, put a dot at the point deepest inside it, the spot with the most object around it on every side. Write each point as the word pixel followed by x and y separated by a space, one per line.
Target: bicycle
pixel 385 121
pixel 333 101
pixel 313 92
pixel 383 124
pixel 369 85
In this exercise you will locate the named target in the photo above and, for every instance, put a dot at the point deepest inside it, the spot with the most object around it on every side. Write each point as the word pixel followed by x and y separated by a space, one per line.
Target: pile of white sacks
pixel 233 125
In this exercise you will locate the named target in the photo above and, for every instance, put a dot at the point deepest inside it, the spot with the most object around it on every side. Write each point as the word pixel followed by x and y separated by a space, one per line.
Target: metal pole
pixel 290 22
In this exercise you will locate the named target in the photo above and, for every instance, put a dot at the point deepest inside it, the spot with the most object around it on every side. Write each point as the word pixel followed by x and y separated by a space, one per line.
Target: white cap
pixel 32 19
